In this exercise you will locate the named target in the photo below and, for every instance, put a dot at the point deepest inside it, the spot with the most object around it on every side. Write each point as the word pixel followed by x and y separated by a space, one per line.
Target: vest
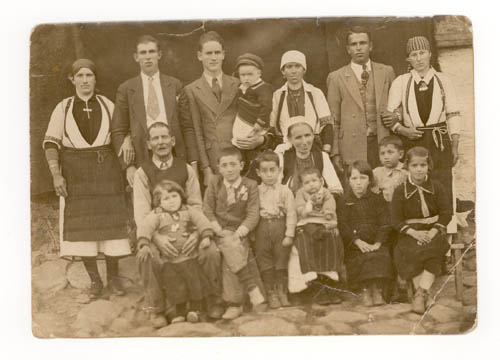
pixel 177 172
pixel 370 103
pixel 289 158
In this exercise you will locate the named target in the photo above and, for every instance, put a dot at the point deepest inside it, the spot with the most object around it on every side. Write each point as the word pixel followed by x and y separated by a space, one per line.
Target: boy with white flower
pixel 231 203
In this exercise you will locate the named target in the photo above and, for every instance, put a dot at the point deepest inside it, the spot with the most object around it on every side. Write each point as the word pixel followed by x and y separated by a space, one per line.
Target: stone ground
pixel 60 306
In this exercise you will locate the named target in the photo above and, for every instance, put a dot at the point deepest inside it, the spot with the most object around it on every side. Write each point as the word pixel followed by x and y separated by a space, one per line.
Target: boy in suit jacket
pixel 148 98
pixel 357 96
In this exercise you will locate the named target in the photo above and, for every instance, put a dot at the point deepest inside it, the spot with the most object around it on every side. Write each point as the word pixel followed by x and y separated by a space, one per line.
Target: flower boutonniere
pixel 243 193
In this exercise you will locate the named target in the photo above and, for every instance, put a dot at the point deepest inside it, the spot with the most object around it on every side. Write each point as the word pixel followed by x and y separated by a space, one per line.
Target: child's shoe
pixel 418 303
pixel 178 319
pixel 115 286
pixel 273 299
pixel 193 317
pixel 366 298
pixel 232 312
pixel 95 290
pixel 158 321
pixel 256 297
pixel 377 296
pixel 282 295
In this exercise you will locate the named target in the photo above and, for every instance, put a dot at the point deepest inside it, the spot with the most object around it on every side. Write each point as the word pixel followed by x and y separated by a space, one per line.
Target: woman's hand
pixel 127 149
pixel 410 132
pixel 287 241
pixel 363 246
pixel 60 185
pixel 422 237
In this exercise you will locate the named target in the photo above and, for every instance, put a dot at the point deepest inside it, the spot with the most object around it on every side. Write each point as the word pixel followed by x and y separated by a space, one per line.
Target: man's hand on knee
pixel 190 244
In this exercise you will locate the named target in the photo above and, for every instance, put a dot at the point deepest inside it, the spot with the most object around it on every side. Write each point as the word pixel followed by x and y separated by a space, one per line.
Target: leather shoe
pixel 216 312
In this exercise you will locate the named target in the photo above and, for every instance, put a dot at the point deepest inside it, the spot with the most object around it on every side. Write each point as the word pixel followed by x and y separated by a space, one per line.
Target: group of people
pixel 243 192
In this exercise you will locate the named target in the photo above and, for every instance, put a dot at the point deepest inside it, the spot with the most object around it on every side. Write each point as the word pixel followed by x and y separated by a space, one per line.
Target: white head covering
pixel 293 56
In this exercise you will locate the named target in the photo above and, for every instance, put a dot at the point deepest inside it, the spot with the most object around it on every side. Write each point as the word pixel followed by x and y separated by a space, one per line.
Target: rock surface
pixel 186 329
pixel 268 326
pixel 50 276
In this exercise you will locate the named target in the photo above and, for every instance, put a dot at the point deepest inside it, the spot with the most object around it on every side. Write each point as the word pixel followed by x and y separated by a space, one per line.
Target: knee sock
pixel 282 278
pixel 427 280
pixel 246 278
pixel 269 279
pixel 111 267
pixel 91 267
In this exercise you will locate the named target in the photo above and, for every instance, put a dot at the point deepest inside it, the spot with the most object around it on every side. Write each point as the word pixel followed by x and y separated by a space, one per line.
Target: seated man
pixel 163 165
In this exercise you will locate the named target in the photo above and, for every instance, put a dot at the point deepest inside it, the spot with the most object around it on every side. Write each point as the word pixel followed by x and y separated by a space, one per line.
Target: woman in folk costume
pixel 424 100
pixel 87 178
pixel 301 156
pixel 298 101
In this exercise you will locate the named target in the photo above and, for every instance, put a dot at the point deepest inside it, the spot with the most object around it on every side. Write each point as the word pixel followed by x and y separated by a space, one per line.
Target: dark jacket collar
pixel 411 188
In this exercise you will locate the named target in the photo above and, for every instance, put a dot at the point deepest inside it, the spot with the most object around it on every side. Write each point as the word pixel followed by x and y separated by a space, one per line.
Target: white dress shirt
pixel 358 69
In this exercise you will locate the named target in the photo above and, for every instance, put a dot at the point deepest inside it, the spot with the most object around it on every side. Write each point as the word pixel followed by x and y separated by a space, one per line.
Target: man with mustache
pixel 357 96
pixel 145 99
pixel 164 166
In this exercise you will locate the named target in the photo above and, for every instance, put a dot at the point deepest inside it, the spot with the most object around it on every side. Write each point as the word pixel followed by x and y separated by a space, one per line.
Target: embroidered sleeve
pixel 452 109
pixel 54 133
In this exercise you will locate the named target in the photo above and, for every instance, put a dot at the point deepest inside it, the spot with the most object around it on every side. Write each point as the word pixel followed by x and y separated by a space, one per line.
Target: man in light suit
pixel 147 98
pixel 357 96
pixel 210 101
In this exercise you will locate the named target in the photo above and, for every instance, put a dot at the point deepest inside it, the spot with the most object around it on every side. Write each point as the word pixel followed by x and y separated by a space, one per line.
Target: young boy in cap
pixel 254 102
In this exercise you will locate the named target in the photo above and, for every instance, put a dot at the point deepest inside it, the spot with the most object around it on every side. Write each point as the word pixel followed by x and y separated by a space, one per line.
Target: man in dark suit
pixel 210 102
pixel 357 96
pixel 148 98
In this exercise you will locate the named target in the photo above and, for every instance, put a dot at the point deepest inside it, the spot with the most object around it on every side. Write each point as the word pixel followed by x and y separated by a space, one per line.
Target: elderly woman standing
pixel 87 178
pixel 302 155
pixel 425 103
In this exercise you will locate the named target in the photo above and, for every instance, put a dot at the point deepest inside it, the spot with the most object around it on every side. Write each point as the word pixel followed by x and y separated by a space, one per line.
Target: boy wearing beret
pixel 254 104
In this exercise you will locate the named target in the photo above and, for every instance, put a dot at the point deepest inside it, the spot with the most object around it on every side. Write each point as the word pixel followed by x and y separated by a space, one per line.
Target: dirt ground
pixel 60 307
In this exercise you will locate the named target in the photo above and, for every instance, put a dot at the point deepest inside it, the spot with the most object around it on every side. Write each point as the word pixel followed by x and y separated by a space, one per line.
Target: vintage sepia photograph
pixel 253 177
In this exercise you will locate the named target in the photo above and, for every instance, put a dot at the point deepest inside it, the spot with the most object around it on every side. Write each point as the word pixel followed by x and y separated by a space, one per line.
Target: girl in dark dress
pixel 420 212
pixel 364 225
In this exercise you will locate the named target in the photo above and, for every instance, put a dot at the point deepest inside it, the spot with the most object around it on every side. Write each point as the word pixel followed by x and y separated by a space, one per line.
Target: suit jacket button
pixel 354 115
pixel 353 134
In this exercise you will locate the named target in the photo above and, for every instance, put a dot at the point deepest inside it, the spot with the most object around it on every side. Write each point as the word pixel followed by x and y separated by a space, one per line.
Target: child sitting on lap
pixel 317 238
pixel 184 281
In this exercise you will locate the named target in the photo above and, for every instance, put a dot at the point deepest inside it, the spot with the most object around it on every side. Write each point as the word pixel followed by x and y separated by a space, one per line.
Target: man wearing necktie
pixel 357 96
pixel 148 98
pixel 210 102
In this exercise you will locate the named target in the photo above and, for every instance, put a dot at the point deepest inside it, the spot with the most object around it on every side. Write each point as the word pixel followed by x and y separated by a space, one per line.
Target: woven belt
pixel 429 220
pixel 437 134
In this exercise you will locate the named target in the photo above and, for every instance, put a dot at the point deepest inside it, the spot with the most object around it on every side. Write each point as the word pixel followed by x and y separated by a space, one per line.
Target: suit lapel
pixel 169 98
pixel 206 95
pixel 352 85
pixel 138 102
pixel 378 80
pixel 229 89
